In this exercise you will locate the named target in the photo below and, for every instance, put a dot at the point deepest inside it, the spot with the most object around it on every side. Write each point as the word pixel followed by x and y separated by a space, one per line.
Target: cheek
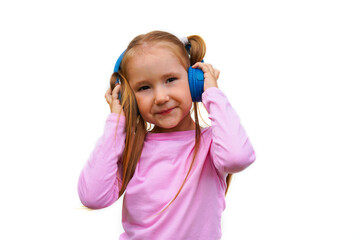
pixel 187 94
pixel 187 100
pixel 144 106
pixel 141 103
pixel 190 104
pixel 185 89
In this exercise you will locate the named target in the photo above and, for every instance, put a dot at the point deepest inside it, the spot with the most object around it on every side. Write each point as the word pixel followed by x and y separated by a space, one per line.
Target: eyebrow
pixel 140 83
pixel 166 75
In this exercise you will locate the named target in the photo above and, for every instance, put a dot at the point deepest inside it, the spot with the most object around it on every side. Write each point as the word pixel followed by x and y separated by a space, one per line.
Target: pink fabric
pixel 164 163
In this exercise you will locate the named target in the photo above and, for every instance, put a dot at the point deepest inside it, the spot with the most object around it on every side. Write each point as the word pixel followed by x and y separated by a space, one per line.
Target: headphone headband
pixel 118 62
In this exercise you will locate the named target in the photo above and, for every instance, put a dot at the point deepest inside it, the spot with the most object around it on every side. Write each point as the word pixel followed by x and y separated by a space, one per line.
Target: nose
pixel 161 96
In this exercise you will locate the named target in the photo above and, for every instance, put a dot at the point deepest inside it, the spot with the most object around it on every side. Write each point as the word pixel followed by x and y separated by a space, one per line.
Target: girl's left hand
pixel 211 74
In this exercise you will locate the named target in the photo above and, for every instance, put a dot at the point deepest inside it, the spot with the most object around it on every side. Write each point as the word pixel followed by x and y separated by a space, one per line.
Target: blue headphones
pixel 195 75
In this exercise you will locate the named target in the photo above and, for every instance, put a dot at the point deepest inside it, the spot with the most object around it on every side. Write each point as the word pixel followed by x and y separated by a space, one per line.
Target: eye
pixel 171 79
pixel 143 88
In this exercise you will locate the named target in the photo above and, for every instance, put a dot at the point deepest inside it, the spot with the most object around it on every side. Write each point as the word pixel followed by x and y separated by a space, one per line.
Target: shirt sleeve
pixel 230 150
pixel 98 184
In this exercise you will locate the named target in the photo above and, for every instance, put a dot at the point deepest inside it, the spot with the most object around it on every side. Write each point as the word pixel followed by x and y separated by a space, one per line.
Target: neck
pixel 190 126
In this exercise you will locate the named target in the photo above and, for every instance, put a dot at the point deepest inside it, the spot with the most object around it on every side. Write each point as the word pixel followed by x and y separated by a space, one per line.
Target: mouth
pixel 166 111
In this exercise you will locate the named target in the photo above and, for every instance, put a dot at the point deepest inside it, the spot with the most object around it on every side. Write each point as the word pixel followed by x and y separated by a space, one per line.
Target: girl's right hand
pixel 112 98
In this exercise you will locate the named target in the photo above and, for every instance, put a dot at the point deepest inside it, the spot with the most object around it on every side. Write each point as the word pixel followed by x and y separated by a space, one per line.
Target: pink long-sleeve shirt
pixel 162 167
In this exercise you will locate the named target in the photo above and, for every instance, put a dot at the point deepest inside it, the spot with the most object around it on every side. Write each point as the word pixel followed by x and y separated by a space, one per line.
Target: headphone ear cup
pixel 119 96
pixel 196 83
pixel 118 82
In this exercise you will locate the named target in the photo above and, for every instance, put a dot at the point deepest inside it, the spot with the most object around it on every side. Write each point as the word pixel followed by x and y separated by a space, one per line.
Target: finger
pixel 202 66
pixel 196 65
pixel 211 69
pixel 217 73
pixel 115 92
pixel 199 65
pixel 107 95
pixel 207 68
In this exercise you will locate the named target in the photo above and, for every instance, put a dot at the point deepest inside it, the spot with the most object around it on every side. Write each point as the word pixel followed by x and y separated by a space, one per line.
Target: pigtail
pixel 197 49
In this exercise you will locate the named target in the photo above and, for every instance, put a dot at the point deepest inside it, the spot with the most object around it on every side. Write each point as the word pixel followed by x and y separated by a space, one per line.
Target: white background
pixel 291 70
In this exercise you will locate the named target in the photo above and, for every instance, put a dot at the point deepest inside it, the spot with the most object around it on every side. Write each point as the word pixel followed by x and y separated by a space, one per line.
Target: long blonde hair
pixel 136 127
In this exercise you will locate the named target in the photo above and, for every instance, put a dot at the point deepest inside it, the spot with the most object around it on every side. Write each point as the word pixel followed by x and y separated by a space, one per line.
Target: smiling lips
pixel 166 111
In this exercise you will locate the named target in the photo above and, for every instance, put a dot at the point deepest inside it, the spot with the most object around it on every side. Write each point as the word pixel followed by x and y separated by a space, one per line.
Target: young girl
pixel 176 175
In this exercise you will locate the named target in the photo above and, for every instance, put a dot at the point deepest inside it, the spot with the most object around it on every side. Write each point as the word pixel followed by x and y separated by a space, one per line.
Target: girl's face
pixel 161 87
